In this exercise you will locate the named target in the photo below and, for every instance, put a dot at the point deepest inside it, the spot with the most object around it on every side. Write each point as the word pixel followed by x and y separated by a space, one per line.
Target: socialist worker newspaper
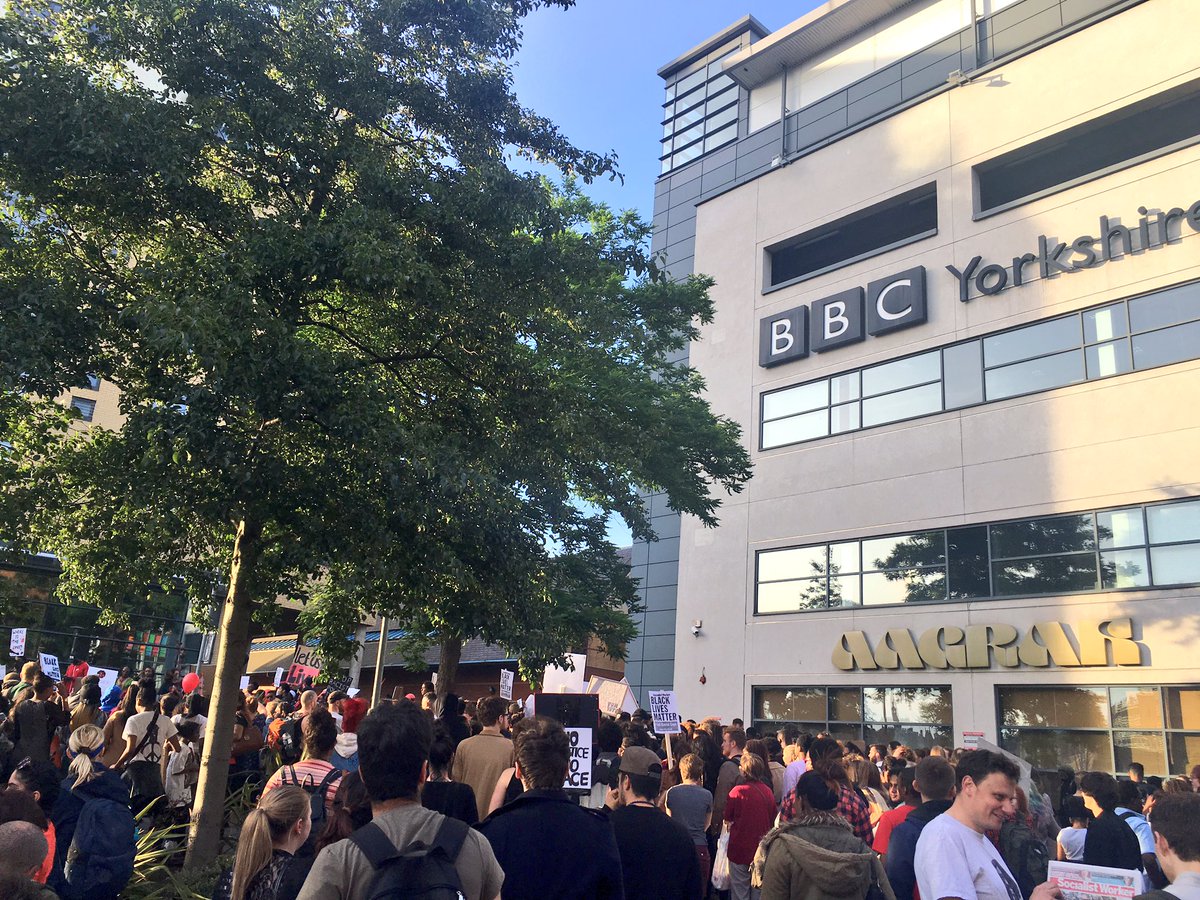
pixel 1082 882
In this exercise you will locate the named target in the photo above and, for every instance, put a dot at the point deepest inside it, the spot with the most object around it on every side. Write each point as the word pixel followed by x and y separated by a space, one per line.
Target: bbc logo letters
pixel 888 304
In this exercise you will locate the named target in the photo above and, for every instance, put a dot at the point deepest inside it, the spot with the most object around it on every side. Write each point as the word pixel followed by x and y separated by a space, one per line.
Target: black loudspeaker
pixel 572 710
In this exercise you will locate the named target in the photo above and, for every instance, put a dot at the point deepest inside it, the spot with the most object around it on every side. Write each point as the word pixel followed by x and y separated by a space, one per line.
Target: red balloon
pixel 191 681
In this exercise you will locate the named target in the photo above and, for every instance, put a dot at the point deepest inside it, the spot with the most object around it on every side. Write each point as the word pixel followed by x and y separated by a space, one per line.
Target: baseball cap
pixel 410 696
pixel 641 761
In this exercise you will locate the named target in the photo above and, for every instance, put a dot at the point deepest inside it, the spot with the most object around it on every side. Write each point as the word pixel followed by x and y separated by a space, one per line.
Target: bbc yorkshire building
pixel 956 248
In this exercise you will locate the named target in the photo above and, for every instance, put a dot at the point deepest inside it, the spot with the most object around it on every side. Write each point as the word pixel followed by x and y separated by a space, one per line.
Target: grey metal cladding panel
pixel 662 186
pixel 659 222
pixel 764 137
pixel 640 553
pixel 681 213
pixel 1005 38
pixel 686 190
pixel 633 669
pixel 872 83
pixel 657 647
pixel 664 550
pixel 678 252
pixel 690 172
pixel 666 526
pixel 756 161
pixel 662 573
pixel 1074 10
pixel 719 158
pixel 658 241
pixel 660 623
pixel 684 231
pixel 659 672
pixel 817 112
pixel 660 505
pixel 719 178
pixel 810 133
pixel 929 78
pixel 660 598
pixel 944 56
pixel 884 98
pixel 681 268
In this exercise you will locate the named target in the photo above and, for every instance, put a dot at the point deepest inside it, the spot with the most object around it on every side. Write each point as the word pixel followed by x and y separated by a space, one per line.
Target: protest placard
pixel 50 666
pixel 340 683
pixel 1079 881
pixel 351 692
pixel 16 643
pixel 108 678
pixel 278 676
pixel 244 683
pixel 579 773
pixel 506 684
pixel 662 710
pixel 565 681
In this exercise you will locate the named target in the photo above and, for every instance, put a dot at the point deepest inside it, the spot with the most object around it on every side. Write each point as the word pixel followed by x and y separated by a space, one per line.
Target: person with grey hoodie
pixel 816 855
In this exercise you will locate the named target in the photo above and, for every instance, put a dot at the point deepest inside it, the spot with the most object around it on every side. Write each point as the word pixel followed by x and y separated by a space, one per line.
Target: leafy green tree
pixel 361 359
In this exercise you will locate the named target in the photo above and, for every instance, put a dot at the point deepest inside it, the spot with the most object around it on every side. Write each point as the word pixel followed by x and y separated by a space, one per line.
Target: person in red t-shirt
pixel 750 812
pixel 74 673
pixel 900 785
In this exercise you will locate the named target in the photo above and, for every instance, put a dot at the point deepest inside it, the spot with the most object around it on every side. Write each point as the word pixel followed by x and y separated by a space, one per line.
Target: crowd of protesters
pixel 428 793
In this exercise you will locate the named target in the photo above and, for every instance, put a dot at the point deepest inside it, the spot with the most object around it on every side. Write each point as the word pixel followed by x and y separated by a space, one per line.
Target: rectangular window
pixel 1121 138
pixel 1075 553
pixel 1140 333
pixel 898 220
pixel 1101 728
pixel 918 717
pixel 86 408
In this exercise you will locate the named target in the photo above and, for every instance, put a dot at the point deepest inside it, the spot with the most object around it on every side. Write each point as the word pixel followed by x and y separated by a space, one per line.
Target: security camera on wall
pixel 696 626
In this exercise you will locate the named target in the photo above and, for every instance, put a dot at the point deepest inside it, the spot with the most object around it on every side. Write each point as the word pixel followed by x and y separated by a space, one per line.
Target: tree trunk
pixel 232 652
pixel 448 667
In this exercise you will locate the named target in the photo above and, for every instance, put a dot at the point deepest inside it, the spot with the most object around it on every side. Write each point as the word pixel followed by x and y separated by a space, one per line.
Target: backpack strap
pixel 283 775
pixel 376 846
pixel 450 837
pixel 331 776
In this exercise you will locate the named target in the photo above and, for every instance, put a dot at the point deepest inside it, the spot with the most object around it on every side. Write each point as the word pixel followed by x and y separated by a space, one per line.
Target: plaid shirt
pixel 850 807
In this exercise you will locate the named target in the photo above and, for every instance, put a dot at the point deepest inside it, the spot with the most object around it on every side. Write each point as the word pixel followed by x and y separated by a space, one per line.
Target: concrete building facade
pixel 957 264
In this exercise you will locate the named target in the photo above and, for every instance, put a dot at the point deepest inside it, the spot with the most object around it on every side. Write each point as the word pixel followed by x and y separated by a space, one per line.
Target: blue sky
pixel 592 70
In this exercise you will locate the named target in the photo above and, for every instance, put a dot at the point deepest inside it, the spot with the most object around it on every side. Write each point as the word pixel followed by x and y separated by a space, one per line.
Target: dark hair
pixel 1174 817
pixel 168 704
pixel 759 749
pixel 490 709
pixel 43 778
pixel 774 748
pixel 979 764
pixel 42 684
pixel 90 696
pixel 1138 768
pixel 351 811
pixel 634 735
pixel 19 887
pixel 320 733
pixel 129 701
pixel 18 806
pixel 735 734
pixel 791 734
pixel 197 704
pixel 147 693
pixel 608 735
pixel 826 756
pixel 934 777
pixel 441 751
pixel 1074 808
pixel 543 752
pixel 1102 788
pixel 1129 796
pixel 189 730
pixel 336 697
pixel 645 786
pixel 393 743
pixel 908 777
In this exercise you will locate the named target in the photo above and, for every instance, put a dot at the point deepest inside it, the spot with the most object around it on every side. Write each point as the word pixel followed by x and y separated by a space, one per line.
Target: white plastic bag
pixel 720 872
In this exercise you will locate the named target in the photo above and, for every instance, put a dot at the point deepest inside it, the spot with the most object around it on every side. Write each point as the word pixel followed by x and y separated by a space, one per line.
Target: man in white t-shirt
pixel 954 857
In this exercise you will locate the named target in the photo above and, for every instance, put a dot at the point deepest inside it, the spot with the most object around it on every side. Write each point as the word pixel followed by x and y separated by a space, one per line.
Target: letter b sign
pixel 783 338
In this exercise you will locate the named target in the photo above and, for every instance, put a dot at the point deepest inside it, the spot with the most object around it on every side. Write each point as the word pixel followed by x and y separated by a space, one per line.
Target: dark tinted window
pixel 1062 159
pixel 907 217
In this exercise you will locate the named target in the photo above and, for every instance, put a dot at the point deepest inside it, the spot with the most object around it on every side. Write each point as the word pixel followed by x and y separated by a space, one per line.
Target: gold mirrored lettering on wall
pixel 1105 643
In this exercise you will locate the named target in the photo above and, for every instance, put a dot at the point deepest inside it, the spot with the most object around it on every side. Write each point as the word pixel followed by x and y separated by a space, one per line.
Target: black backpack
pixel 419 870
pixel 291 741
pixel 1026 855
pixel 316 796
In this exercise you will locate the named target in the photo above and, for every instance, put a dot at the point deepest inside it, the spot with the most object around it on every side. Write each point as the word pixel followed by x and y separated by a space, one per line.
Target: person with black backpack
pixel 314 773
pixel 406 850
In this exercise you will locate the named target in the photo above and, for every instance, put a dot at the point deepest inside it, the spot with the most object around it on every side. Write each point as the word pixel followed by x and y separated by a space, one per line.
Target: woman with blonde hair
pixel 109 822
pixel 272 833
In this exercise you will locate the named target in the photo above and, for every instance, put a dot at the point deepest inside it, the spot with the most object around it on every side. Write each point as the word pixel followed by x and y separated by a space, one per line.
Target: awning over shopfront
pixel 270 653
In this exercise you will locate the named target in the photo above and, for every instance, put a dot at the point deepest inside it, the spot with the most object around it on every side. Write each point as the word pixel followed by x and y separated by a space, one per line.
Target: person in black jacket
pixel 440 792
pixel 1110 839
pixel 548 846
pixel 934 781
